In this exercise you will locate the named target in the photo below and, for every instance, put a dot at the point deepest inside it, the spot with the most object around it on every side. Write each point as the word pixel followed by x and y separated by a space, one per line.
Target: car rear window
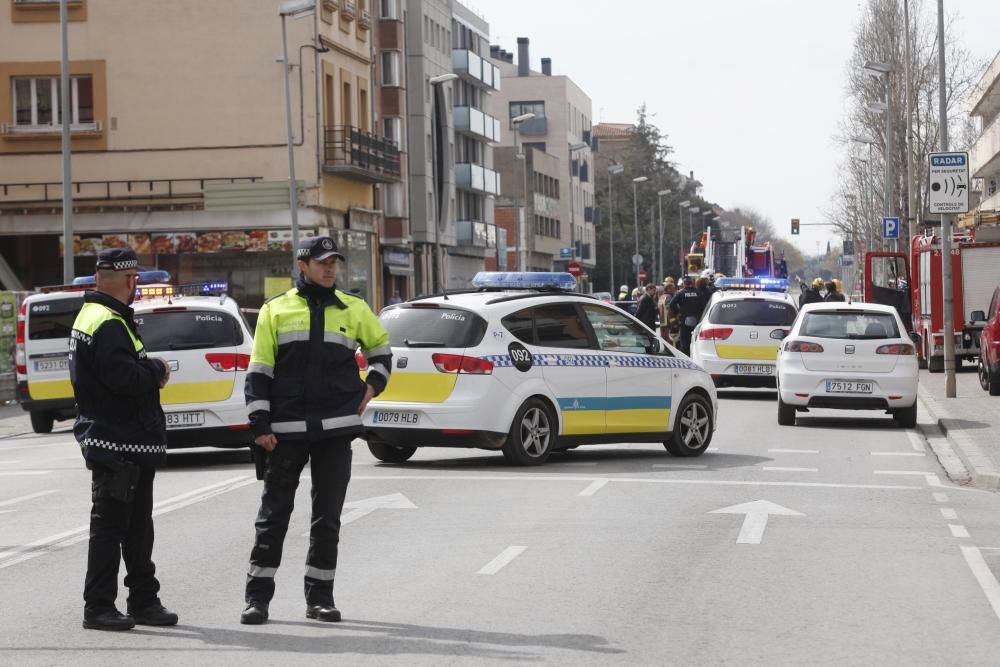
pixel 753 312
pixel 421 326
pixel 853 324
pixel 188 330
pixel 53 318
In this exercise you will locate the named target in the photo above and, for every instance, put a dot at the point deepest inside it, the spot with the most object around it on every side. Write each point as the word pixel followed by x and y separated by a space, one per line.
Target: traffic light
pixel 795 226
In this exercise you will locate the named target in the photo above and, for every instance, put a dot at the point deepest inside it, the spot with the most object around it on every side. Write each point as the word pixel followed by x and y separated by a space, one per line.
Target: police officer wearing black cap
pixel 122 434
pixel 305 398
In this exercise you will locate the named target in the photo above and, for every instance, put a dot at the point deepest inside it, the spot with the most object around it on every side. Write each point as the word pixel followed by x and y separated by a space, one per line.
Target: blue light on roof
pixel 145 278
pixel 524 280
pixel 757 284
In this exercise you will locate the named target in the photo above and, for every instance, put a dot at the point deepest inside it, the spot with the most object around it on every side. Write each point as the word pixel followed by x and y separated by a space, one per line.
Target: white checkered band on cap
pixel 304 252
pixel 127 264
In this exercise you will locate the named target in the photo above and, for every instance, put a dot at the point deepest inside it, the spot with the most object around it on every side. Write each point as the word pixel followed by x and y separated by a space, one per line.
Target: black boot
pixel 254 614
pixel 326 612
pixel 112 620
pixel 154 614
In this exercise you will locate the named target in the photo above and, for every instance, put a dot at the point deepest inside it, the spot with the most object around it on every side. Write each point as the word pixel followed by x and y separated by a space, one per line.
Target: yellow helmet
pixel 840 286
pixel 817 283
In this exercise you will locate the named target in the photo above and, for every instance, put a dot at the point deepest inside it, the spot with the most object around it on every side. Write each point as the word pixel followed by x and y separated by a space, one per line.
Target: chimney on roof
pixel 523 57
pixel 495 51
pixel 547 66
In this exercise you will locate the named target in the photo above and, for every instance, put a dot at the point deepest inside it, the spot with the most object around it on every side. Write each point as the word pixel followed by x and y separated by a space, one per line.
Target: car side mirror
pixel 780 334
pixel 979 316
pixel 915 337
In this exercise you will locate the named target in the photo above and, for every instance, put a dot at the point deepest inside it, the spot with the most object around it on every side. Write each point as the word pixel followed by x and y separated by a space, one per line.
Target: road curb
pixel 983 473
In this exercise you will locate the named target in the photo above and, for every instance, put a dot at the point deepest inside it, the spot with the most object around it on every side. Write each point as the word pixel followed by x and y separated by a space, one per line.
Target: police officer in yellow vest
pixel 122 434
pixel 305 398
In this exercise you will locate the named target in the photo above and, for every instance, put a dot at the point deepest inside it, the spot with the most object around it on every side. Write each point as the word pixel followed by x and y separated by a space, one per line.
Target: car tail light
pixel 802 346
pixel 715 334
pixel 20 359
pixel 897 348
pixel 227 362
pixel 361 361
pixel 457 363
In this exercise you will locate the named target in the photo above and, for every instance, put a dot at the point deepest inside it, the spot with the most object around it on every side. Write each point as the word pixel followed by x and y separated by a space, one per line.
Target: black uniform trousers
pixel 684 342
pixel 120 530
pixel 330 466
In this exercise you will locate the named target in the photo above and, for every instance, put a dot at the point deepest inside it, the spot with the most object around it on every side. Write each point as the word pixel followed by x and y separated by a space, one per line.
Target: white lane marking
pixel 784 469
pixel 594 487
pixel 23 473
pixel 958 531
pixel 505 557
pixel 949 513
pixel 941 497
pixel 689 466
pixel 793 451
pixel 916 441
pixel 898 454
pixel 933 480
pixel 984 577
pixel 922 473
pixel 362 508
pixel 755 518
pixel 712 449
pixel 8 463
pixel 30 496
pixel 646 480
pixel 70 537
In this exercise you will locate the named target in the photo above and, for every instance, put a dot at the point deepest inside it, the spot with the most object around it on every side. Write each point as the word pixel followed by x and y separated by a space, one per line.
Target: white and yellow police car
pixel 738 338
pixel 523 365
pixel 197 329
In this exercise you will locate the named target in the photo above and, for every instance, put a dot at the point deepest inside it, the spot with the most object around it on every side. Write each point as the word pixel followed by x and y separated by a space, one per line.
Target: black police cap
pixel 117 259
pixel 318 248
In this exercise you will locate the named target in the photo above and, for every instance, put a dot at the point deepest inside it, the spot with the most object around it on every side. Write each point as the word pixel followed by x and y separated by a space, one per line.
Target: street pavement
pixel 841 540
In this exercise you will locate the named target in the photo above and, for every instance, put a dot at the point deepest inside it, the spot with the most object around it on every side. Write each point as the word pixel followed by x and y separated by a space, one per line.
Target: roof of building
pixel 613 130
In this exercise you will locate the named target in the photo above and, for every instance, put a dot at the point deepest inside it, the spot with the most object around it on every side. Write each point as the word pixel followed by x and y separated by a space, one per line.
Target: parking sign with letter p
pixel 890 228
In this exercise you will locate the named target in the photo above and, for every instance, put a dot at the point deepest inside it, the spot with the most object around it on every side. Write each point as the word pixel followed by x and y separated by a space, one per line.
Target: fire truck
pixel 913 284
pixel 739 258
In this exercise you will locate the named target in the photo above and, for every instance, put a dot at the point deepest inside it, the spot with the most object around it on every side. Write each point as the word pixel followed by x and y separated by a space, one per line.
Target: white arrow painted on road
pixel 757 513
pixel 362 508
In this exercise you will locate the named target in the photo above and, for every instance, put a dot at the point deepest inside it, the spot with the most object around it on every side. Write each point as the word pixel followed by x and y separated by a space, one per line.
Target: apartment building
pixel 179 140
pixel 561 127
pixel 984 159
pixel 531 185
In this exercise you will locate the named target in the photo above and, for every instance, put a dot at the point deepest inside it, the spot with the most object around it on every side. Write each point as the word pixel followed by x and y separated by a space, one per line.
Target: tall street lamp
pixel 572 196
pixel 691 212
pixel 293 9
pixel 882 70
pixel 515 124
pixel 67 146
pixel 680 227
pixel 437 185
pixel 635 212
pixel 867 195
pixel 613 169
pixel 659 202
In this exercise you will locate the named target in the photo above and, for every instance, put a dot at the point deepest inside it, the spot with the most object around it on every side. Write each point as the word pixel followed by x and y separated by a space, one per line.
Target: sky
pixel 749 92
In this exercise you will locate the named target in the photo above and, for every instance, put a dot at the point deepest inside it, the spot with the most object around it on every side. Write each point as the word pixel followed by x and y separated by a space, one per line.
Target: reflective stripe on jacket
pixel 117 388
pixel 303 381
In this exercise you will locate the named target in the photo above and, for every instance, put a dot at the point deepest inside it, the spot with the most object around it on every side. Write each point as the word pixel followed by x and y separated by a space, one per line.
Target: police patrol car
pixel 738 338
pixel 197 329
pixel 523 365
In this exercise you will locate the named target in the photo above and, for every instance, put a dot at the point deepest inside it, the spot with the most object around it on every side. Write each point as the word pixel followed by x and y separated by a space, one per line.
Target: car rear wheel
pixel 692 428
pixel 390 453
pixel 984 375
pixel 41 422
pixel 906 417
pixel 531 436
pixel 786 413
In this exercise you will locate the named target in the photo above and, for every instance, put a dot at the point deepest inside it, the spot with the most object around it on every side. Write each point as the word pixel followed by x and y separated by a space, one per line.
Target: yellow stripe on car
pixel 583 422
pixel 638 421
pixel 762 352
pixel 45 391
pixel 418 387
pixel 196 392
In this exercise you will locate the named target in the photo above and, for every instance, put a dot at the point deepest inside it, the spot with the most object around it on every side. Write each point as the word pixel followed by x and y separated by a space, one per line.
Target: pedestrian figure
pixel 687 305
pixel 123 437
pixel 646 311
pixel 305 399
pixel 832 293
pixel 812 294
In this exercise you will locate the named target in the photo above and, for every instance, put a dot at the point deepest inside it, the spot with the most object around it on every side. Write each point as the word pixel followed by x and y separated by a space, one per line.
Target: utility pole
pixel 66 113
pixel 911 194
pixel 946 260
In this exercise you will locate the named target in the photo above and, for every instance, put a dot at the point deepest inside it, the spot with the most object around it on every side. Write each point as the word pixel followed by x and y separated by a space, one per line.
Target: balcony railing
pixel 352 152
pixel 476 178
pixel 475 69
pixel 533 127
pixel 481 125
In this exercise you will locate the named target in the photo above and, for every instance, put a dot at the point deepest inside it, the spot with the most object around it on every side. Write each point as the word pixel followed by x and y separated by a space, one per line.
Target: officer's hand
pixel 369 395
pixel 268 442
pixel 166 373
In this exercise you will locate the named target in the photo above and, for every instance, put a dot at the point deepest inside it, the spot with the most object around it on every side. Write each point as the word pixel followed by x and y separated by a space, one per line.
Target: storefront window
pixel 355 275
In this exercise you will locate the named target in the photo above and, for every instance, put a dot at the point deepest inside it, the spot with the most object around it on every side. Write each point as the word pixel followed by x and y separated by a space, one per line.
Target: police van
pixel 197 329
pixel 524 365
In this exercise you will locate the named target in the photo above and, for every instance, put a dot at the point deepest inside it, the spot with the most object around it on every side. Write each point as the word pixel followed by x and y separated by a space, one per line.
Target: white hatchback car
pixel 524 366
pixel 851 356
pixel 738 338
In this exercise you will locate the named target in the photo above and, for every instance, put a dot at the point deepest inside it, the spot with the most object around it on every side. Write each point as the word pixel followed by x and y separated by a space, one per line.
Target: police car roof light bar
pixel 531 280
pixel 756 284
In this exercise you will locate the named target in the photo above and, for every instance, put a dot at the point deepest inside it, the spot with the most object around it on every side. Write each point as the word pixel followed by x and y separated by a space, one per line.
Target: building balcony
pixel 985 96
pixel 351 152
pixel 984 158
pixel 475 234
pixel 477 179
pixel 479 125
pixel 348 10
pixel 365 20
pixel 475 70
pixel 533 127
pixel 331 5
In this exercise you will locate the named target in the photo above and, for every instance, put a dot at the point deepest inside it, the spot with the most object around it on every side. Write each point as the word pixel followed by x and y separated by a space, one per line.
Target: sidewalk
pixel 14 420
pixel 971 422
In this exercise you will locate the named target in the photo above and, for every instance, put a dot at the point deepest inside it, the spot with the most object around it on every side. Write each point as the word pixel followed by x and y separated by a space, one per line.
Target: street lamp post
pixel 612 170
pixel 437 176
pixel 866 196
pixel 515 124
pixel 65 112
pixel 659 202
pixel 680 228
pixel 882 71
pixel 691 212
pixel 572 196
pixel 635 212
pixel 294 9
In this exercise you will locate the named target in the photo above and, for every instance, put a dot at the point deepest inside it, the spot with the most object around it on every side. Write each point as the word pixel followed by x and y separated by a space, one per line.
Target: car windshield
pixel 423 326
pixel 853 324
pixel 176 330
pixel 753 312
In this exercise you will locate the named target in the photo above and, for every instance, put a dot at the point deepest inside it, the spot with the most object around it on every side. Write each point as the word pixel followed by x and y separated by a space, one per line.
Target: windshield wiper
pixel 189 346
pixel 422 343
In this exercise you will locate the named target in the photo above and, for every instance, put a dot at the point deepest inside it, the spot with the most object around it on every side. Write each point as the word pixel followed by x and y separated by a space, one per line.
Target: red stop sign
pixel 574 269
pixel 642 276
